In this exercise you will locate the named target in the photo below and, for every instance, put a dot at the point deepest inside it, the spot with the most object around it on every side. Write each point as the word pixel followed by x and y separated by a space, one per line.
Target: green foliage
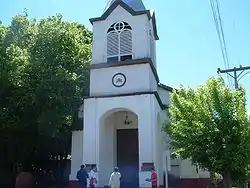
pixel 44 76
pixel 210 126
pixel 44 72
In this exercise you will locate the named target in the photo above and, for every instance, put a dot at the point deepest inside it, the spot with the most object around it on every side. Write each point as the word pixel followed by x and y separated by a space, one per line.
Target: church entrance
pixel 128 157
pixel 119 146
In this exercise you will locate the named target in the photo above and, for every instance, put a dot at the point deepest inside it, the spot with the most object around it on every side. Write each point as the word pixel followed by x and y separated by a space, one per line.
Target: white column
pixel 106 150
pixel 76 153
pixel 145 137
pixel 90 137
pixel 146 143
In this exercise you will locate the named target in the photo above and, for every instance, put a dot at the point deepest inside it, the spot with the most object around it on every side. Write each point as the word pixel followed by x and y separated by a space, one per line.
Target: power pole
pixel 237 77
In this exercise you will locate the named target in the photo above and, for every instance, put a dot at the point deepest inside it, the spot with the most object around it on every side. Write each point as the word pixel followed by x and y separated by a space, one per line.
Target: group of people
pixel 114 181
pixel 83 176
pixel 26 180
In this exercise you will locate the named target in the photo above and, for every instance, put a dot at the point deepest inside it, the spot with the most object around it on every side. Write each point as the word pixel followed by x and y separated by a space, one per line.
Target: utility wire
pixel 220 33
pixel 217 29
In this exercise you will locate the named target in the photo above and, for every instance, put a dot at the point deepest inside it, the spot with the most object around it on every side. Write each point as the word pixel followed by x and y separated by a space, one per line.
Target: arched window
pixel 119 42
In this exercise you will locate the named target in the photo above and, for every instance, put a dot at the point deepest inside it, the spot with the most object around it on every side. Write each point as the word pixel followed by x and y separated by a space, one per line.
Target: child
pixel 153 179
pixel 93 177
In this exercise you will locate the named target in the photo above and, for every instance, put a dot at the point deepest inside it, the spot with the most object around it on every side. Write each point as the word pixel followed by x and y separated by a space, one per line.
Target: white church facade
pixel 124 114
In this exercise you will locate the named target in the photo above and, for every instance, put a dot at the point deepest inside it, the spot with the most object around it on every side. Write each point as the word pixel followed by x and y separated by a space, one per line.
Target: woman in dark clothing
pixel 82 177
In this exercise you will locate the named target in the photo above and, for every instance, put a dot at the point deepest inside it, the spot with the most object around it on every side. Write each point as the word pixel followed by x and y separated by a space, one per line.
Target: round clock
pixel 119 80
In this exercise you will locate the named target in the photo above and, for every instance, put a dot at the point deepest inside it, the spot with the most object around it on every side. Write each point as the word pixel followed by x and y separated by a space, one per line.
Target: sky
pixel 188 52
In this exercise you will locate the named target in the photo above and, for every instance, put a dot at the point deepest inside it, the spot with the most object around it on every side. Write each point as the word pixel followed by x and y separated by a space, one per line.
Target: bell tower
pixel 124 38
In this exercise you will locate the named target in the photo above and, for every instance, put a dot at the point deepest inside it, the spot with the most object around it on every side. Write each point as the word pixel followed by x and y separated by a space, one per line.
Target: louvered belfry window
pixel 119 42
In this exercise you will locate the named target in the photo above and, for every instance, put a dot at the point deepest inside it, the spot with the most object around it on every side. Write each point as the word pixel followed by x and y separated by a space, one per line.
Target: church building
pixel 124 113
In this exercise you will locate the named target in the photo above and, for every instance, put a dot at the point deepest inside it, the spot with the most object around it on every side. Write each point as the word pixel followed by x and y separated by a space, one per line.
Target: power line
pixel 217 28
pixel 220 33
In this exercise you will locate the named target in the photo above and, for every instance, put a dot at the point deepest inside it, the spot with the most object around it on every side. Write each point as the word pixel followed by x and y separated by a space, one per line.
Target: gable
pixel 107 13
pixel 136 5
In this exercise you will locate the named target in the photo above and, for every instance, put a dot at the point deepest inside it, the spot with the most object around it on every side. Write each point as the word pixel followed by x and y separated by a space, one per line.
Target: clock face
pixel 119 80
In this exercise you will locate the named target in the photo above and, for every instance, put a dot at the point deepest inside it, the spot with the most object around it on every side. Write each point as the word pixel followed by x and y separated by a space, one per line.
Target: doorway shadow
pixel 128 157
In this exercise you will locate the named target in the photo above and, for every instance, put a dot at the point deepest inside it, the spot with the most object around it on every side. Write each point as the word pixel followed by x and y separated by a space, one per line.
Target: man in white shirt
pixel 115 177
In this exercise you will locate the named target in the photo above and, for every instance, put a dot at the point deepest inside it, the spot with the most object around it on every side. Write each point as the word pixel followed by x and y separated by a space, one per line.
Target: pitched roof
pixel 136 5
pixel 113 5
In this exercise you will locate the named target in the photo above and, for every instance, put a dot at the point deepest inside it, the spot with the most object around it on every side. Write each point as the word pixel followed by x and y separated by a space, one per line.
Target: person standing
pixel 93 177
pixel 82 177
pixel 115 178
pixel 153 179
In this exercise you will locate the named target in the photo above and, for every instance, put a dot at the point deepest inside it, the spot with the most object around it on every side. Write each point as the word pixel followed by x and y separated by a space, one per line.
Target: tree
pixel 209 125
pixel 44 77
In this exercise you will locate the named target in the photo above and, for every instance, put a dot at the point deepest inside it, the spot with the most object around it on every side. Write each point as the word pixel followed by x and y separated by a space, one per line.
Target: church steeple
pixel 136 5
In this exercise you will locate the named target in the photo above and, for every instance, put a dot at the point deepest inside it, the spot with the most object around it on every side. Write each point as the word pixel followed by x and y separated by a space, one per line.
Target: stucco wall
pixel 154 58
pixel 139 78
pixel 187 170
pixel 76 153
pixel 107 151
pixel 159 145
pixel 164 95
pixel 96 110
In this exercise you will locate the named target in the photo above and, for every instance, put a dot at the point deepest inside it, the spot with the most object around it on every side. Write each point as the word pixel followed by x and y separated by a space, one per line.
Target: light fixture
pixel 127 121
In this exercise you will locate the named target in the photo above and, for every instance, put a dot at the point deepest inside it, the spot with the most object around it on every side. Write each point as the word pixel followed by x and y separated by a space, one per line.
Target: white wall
pixel 140 27
pixel 120 117
pixel 153 82
pixel 133 103
pixel 107 150
pixel 159 151
pixel 96 110
pixel 186 170
pixel 189 171
pixel 154 57
pixel 76 153
pixel 139 78
pixel 90 139
pixel 164 95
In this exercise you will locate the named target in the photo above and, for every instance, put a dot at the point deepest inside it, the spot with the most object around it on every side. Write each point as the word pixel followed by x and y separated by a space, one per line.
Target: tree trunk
pixel 227 180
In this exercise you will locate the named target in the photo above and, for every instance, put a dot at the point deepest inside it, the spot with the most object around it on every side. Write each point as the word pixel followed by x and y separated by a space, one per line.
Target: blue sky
pixel 188 51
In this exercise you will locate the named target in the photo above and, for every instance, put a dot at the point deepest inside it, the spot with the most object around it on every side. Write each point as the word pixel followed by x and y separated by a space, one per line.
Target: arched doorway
pixel 119 146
